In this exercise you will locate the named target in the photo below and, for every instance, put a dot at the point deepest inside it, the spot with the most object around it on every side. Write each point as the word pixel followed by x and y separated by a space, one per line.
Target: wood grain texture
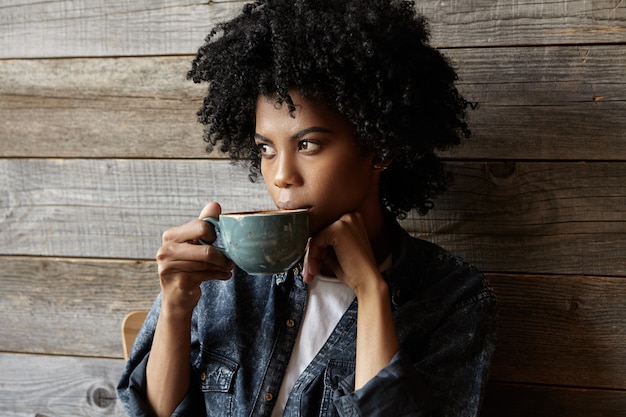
pixel 63 28
pixel 548 103
pixel 530 100
pixel 132 107
pixel 111 208
pixel 510 22
pixel 567 218
pixel 56 386
pixel 32 385
pixel 71 306
pixel 520 400
pixel 561 330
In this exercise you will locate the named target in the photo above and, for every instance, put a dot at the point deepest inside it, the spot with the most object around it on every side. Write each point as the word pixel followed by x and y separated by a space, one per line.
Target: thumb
pixel 212 209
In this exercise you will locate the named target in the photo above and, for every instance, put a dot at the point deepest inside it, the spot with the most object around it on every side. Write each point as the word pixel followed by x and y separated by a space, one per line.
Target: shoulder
pixel 422 270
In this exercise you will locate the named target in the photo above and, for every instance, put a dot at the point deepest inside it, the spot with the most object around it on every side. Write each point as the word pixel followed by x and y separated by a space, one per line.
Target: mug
pixel 262 242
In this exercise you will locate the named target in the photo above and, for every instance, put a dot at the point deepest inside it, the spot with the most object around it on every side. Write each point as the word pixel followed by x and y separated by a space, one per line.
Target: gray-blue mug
pixel 262 242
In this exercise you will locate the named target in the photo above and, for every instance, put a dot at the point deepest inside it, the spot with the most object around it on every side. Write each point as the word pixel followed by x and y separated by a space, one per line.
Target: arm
pixel 168 370
pixel 447 343
pixel 447 375
pixel 183 266
pixel 376 341
pixel 352 260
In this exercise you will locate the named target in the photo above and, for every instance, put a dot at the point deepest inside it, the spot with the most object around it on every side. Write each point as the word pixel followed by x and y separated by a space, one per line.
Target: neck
pixel 379 236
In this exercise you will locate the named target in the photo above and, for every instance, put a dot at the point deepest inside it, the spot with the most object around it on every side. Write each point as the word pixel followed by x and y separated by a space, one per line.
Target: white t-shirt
pixel 328 300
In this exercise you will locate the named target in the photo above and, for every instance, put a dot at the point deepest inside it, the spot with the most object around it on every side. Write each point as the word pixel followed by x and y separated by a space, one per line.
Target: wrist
pixel 178 301
pixel 177 309
pixel 375 289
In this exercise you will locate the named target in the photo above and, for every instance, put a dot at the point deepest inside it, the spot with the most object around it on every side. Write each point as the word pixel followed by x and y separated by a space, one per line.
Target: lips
pixel 289 205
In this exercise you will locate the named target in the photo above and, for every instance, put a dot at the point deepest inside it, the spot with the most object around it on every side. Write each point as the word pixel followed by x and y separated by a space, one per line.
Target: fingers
pixel 320 260
pixel 184 264
pixel 190 232
pixel 343 247
pixel 186 257
pixel 181 253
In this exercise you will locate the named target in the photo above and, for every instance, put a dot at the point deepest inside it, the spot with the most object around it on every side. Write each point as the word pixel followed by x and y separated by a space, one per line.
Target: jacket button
pixel 268 396
pixel 290 323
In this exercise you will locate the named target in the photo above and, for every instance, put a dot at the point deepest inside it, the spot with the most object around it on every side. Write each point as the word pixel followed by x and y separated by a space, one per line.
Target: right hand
pixel 184 264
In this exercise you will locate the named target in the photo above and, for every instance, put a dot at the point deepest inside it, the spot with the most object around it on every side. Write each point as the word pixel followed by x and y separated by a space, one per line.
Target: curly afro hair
pixel 369 60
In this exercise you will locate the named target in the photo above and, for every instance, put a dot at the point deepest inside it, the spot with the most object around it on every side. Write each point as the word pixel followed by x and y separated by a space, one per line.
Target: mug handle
pixel 215 222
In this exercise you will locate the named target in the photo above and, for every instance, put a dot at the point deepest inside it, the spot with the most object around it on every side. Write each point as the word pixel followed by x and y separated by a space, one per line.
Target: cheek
pixel 267 178
pixel 353 177
pixel 271 189
pixel 340 189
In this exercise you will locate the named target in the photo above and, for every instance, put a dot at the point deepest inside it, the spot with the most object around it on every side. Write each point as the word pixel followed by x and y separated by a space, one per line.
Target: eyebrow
pixel 298 135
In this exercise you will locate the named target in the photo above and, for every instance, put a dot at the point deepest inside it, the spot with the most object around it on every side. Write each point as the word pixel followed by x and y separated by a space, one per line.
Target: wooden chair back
pixel 130 327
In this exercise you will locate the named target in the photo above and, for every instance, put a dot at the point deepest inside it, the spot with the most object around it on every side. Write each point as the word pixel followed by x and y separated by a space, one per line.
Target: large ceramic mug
pixel 262 242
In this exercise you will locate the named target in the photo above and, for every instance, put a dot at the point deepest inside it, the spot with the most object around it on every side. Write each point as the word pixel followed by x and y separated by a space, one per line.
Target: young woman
pixel 340 107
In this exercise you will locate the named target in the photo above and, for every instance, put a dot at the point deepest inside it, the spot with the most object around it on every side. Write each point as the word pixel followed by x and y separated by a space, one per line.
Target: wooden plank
pixel 78 304
pixel 132 107
pixel 63 28
pixel 34 385
pixel 518 400
pixel 511 22
pixel 544 103
pixel 566 218
pixel 535 103
pixel 561 330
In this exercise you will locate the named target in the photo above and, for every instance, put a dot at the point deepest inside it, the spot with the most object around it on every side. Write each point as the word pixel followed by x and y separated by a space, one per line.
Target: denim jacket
pixel 244 329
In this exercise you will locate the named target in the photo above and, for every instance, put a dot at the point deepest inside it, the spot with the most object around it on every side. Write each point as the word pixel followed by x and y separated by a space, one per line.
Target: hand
pixel 184 264
pixel 344 247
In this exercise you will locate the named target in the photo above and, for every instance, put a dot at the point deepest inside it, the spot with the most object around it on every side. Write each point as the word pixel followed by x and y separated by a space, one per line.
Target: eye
pixel 266 150
pixel 308 146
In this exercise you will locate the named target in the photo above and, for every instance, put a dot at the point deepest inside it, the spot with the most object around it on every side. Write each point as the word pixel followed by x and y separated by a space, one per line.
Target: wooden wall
pixel 100 152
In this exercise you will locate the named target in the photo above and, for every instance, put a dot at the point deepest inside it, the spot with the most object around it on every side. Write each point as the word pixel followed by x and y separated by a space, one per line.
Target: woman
pixel 340 107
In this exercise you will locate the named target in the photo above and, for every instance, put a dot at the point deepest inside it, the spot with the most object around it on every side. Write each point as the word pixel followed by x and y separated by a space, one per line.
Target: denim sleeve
pixel 447 378
pixel 134 395
pixel 131 388
pixel 396 390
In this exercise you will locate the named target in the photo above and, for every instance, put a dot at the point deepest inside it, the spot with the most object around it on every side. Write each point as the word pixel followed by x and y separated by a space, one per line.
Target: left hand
pixel 344 247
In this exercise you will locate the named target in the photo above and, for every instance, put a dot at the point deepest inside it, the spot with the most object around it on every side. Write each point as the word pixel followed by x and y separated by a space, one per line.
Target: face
pixel 312 161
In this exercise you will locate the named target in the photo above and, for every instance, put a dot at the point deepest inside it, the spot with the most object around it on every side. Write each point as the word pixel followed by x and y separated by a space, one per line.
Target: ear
pixel 381 167
pixel 381 160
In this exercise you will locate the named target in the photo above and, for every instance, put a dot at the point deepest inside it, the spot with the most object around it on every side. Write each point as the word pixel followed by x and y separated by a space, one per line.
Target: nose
pixel 287 173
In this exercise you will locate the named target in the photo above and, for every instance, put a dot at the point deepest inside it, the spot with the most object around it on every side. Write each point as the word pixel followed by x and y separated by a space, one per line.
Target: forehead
pixel 270 113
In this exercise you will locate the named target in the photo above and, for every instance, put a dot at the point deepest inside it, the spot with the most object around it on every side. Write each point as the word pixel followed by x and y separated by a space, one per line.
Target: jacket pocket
pixel 217 376
pixel 336 371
